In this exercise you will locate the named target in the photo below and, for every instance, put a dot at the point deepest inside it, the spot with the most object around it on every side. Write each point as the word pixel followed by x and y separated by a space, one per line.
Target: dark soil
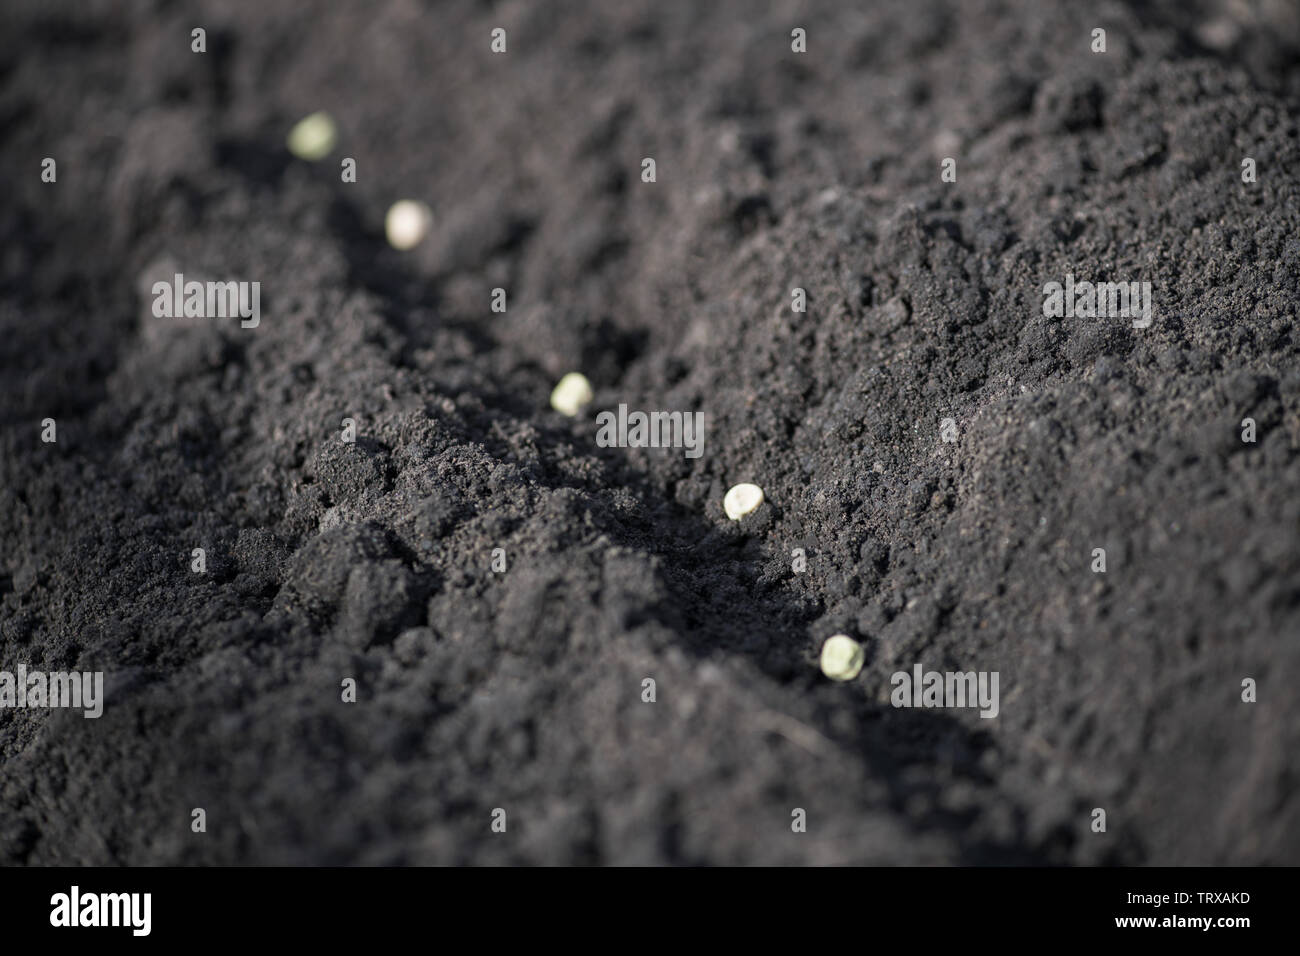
pixel 523 690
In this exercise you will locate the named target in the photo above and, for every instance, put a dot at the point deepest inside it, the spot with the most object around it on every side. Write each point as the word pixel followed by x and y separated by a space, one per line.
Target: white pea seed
pixel 407 223
pixel 571 394
pixel 842 657
pixel 313 137
pixel 741 500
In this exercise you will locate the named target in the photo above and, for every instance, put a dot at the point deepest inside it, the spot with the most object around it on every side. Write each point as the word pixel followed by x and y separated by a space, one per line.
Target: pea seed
pixel 571 394
pixel 313 137
pixel 842 657
pixel 741 500
pixel 407 223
